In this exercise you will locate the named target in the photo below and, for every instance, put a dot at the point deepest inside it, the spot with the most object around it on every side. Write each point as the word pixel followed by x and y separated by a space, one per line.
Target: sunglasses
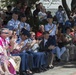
pixel 5 32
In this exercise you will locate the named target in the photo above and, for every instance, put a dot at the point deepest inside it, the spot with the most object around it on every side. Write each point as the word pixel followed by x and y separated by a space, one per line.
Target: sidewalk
pixel 66 69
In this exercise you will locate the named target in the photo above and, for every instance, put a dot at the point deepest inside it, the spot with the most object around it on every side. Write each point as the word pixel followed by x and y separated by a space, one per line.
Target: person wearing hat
pixel 25 32
pixel 25 35
pixel 19 49
pixel 51 28
pixel 61 17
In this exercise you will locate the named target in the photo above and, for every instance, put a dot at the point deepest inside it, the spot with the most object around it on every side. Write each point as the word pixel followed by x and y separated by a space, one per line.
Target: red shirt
pixel 39 34
pixel 74 37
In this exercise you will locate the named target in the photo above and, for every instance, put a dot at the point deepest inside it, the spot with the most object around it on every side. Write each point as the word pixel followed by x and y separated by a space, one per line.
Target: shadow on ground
pixel 71 64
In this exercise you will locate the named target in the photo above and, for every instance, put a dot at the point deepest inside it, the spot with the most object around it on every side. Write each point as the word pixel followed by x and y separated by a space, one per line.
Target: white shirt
pixel 42 15
pixel 45 40
pixel 8 39
pixel 49 27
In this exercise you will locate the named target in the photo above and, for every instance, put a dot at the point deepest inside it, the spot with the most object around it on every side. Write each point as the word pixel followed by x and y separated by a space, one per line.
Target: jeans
pixel 24 60
pixel 39 59
pixel 60 51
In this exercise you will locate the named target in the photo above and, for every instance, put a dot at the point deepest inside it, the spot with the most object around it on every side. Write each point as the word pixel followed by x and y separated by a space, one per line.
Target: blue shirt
pixel 25 25
pixel 12 24
pixel 49 27
pixel 60 15
pixel 25 42
pixel 68 23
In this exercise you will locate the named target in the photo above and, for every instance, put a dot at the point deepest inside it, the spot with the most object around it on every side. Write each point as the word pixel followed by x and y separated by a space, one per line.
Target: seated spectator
pixel 68 37
pixel 69 23
pixel 14 23
pixel 29 16
pixel 42 14
pixel 61 44
pixel 17 8
pixel 51 28
pixel 23 23
pixel 23 8
pixel 39 34
pixel 35 16
pixel 17 59
pixel 34 42
pixel 3 19
pixel 41 5
pixel 36 11
pixel 39 57
pixel 8 13
pixel 9 69
pixel 19 48
pixel 45 46
pixel 61 17
pixel 69 43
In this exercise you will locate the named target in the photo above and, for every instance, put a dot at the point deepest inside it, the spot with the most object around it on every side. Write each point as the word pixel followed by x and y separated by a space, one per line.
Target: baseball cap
pixel 49 16
pixel 25 32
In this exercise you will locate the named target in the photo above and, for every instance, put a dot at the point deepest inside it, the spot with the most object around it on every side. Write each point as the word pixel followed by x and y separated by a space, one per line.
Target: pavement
pixel 61 69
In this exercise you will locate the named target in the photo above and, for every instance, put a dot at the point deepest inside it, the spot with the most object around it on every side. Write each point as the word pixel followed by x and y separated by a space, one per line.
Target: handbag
pixel 15 51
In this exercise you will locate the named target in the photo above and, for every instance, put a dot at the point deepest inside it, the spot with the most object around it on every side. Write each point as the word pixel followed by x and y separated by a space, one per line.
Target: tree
pixel 73 6
pixel 5 3
pixel 66 7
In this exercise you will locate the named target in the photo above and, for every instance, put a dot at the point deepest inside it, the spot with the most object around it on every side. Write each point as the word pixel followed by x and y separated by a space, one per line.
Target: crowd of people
pixel 29 42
